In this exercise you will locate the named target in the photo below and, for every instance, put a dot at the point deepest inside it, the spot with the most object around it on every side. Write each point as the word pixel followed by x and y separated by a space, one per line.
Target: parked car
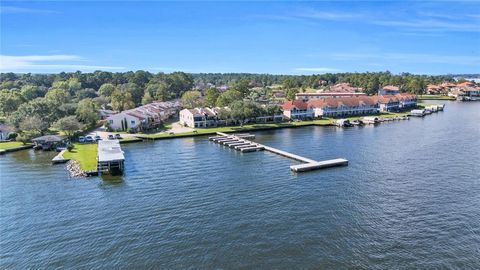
pixel 111 137
pixel 117 136
pixel 98 138
pixel 81 139
pixel 89 138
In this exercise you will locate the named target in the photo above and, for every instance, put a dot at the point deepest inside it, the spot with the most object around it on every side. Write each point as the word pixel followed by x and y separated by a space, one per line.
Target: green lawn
pixel 85 154
pixel 439 97
pixel 248 127
pixel 10 145
pixel 423 105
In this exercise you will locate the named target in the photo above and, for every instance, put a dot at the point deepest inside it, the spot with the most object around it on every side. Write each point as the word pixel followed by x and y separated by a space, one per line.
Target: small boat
pixel 418 113
pixel 370 120
pixel 343 123
pixel 357 123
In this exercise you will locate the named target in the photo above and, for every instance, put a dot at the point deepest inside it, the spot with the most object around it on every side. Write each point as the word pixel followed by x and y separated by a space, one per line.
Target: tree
pixel 273 109
pixel 211 96
pixel 39 107
pixel 30 92
pixel 147 98
pixel 87 112
pixel 33 124
pixel 224 114
pixel 106 89
pixel 242 86
pixel 26 136
pixel 179 82
pixel 290 93
pixel 69 125
pixel 122 100
pixel 244 110
pixel 227 97
pixel 159 90
pixel 73 85
pixel 9 101
pixel 57 96
pixel 86 93
pixel 135 92
pixel 291 88
pixel 192 99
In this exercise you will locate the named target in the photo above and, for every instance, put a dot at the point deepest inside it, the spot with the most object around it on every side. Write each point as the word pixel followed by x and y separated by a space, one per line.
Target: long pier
pixel 239 142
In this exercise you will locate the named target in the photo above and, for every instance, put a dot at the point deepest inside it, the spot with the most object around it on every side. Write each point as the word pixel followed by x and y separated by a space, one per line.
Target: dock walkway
pixel 240 143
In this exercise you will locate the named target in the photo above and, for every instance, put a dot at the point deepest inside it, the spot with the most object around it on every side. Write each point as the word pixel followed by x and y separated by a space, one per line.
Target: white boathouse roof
pixel 109 150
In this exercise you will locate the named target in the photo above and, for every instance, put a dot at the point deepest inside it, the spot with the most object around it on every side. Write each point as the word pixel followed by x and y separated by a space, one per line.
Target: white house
pixel 199 117
pixel 345 106
pixel 389 90
pixel 144 117
pixel 297 109
pixel 123 121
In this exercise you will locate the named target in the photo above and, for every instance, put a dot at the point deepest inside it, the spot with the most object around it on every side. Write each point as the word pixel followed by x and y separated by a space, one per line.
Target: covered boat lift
pixel 110 157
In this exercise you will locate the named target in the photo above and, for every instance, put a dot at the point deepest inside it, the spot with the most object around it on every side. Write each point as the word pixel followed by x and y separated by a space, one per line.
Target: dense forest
pixel 34 103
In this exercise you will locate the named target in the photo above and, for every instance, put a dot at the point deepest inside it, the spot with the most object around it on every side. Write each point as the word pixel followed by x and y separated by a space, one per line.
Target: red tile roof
pixel 391 87
pixel 299 104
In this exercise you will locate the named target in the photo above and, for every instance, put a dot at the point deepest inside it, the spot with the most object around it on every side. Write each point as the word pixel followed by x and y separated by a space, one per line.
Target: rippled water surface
pixel 410 198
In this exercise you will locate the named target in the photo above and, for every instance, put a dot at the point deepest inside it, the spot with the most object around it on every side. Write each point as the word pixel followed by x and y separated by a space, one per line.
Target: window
pixel 132 122
pixel 110 121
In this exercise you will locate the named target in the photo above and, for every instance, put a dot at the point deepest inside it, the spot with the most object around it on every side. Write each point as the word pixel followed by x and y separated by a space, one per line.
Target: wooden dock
pixel 240 143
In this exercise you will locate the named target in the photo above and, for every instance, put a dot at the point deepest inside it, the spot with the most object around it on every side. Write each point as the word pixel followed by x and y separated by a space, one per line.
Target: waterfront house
pixel 324 95
pixel 145 117
pixel 388 103
pixel 199 117
pixel 211 117
pixel 406 100
pixel 343 106
pixel 297 109
pixel 49 142
pixel 389 90
pixel 465 93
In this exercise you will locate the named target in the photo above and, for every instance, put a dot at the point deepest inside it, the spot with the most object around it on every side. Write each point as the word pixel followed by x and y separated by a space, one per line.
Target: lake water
pixel 410 198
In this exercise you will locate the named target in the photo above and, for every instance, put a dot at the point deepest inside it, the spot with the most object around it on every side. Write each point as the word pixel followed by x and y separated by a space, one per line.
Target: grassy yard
pixel 10 145
pixel 435 97
pixel 244 128
pixel 423 105
pixel 85 154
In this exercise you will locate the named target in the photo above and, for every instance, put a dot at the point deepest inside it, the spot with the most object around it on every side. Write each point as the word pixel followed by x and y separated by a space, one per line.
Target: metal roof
pixel 109 150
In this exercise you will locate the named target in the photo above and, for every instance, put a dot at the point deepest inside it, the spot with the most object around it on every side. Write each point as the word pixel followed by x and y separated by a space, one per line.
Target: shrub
pixel 70 147
pixel 12 136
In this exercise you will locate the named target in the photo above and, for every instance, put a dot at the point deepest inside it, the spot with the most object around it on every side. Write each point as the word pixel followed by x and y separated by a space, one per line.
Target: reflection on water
pixel 409 197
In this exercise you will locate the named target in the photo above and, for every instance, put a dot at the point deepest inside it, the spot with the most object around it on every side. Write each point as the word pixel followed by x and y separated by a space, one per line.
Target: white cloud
pixel 17 10
pixel 318 69
pixel 48 63
pixel 410 58
pixel 415 20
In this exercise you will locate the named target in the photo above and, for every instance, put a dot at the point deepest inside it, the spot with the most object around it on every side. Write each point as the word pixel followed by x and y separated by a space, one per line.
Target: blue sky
pixel 258 37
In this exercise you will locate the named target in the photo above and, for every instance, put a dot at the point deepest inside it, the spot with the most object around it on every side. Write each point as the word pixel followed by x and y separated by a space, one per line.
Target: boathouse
pixel 49 142
pixel 110 157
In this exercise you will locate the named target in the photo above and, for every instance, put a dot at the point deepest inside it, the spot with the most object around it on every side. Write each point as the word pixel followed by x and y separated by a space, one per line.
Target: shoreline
pixel 84 155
